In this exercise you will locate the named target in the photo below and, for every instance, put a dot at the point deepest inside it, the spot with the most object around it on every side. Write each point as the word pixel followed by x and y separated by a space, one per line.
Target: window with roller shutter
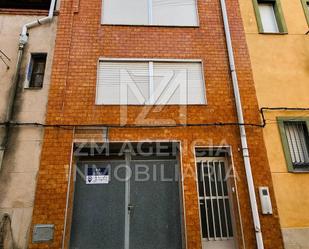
pixel 150 83
pixel 150 12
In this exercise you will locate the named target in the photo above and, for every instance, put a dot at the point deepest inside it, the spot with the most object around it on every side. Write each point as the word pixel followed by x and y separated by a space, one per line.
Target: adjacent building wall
pixel 21 162
pixel 280 66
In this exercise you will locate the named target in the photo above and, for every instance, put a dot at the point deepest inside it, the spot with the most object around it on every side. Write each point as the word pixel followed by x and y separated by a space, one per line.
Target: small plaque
pixel 43 233
pixel 97 175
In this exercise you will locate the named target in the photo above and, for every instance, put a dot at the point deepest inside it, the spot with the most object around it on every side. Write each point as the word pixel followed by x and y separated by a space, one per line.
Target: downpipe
pixel 24 33
pixel 23 40
pixel 9 112
pixel 243 136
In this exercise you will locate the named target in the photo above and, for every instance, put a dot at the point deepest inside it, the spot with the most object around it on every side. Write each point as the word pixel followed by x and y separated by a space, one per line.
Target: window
pixel 269 16
pixel 25 4
pixel 295 140
pixel 150 12
pixel 150 83
pixel 305 4
pixel 36 69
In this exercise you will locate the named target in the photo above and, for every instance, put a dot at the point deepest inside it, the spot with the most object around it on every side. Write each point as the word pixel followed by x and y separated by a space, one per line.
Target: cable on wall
pixel 71 126
pixel 263 109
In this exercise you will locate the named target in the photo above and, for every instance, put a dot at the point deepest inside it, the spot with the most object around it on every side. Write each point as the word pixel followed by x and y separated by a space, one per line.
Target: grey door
pixel 98 211
pixel 139 207
pixel 155 222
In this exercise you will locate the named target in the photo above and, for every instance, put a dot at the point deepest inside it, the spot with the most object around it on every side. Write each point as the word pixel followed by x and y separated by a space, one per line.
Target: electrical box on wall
pixel 265 200
pixel 43 233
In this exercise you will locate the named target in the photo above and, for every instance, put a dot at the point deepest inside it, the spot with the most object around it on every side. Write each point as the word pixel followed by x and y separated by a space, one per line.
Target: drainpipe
pixel 38 22
pixel 23 40
pixel 243 137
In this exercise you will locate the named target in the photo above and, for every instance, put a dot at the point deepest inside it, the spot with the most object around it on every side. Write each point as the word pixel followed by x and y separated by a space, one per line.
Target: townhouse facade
pixel 144 144
pixel 26 53
pixel 278 42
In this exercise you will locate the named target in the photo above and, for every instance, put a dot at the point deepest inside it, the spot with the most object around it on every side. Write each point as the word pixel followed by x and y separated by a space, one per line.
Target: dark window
pixel 25 4
pixel 36 70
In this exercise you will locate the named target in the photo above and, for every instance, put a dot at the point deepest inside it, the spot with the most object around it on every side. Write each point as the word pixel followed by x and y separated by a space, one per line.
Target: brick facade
pixel 81 40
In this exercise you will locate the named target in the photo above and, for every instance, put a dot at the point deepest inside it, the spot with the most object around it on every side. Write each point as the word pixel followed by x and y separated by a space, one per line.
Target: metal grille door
pixel 214 201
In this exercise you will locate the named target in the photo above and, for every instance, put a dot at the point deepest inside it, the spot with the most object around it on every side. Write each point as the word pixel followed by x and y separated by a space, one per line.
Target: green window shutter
pixel 285 144
pixel 280 17
pixel 305 4
pixel 258 16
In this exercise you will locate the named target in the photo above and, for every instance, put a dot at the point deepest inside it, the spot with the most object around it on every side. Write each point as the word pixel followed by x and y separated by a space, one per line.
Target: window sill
pixel 156 105
pixel 299 171
pixel 33 88
pixel 27 12
pixel 148 25
pixel 273 33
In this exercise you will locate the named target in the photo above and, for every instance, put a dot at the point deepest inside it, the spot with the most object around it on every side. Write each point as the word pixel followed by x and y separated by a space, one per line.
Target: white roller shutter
pixel 122 83
pixel 150 83
pixel 297 141
pixel 174 12
pixel 125 12
pixel 150 12
pixel 178 83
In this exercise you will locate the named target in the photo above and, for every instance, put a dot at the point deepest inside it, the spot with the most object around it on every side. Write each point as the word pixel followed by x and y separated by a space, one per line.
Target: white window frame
pixel 150 18
pixel 150 60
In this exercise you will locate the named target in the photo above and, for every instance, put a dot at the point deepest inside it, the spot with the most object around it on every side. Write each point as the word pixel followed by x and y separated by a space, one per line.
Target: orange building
pixel 142 147
pixel 279 57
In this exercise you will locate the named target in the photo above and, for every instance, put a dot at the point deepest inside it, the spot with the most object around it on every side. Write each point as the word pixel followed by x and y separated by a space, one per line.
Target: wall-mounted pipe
pixel 24 33
pixel 23 40
pixel 243 136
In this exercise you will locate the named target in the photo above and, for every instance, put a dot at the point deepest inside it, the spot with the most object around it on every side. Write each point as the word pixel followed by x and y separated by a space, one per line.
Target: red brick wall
pixel 81 40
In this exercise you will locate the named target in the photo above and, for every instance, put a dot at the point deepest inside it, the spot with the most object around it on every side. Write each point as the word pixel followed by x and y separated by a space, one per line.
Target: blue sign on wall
pixel 97 175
